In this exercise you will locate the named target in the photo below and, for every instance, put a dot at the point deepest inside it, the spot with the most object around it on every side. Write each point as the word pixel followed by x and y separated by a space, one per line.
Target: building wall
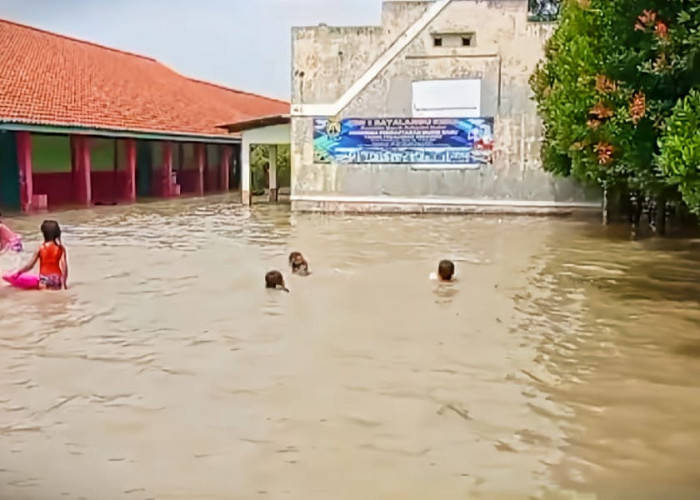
pixel 9 172
pixel 506 49
pixel 55 169
pixel 51 154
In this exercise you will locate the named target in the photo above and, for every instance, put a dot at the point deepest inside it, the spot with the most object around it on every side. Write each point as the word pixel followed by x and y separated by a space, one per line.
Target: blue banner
pixel 427 141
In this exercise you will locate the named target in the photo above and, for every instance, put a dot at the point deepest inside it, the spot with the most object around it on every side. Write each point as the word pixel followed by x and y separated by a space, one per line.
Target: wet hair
pixel 298 263
pixel 51 231
pixel 274 279
pixel 446 270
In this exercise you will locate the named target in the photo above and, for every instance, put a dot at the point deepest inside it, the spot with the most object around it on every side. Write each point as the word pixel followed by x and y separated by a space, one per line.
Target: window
pixel 453 40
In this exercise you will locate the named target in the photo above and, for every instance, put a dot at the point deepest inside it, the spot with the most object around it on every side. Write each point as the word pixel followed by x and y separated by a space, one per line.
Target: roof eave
pixel 263 121
pixel 78 129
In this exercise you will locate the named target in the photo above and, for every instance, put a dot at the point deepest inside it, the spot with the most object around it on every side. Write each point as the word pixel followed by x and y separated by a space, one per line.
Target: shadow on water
pixel 563 362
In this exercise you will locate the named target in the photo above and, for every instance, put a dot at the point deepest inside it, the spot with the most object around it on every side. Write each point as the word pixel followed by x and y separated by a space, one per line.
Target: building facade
pixel 431 110
pixel 83 124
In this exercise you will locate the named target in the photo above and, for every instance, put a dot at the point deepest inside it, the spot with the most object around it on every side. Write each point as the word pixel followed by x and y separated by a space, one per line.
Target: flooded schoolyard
pixel 563 363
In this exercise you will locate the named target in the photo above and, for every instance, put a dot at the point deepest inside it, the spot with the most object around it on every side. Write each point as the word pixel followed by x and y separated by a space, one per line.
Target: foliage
pixel 680 149
pixel 543 10
pixel 259 160
pixel 612 73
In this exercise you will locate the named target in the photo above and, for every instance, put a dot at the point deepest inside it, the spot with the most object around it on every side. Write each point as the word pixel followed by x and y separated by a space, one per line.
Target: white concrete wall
pixel 275 134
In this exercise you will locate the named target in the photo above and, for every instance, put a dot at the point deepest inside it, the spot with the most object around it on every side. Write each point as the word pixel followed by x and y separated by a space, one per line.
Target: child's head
pixel 294 256
pixel 51 231
pixel 446 270
pixel 274 279
pixel 298 263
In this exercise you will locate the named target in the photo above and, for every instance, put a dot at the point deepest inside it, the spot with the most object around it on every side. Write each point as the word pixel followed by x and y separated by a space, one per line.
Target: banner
pixel 426 141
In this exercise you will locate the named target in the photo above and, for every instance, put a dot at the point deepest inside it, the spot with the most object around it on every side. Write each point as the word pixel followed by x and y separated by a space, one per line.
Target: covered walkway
pixel 83 124
pixel 271 131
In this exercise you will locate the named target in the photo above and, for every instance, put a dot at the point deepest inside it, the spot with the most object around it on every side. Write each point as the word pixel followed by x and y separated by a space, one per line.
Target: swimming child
pixel 52 257
pixel 446 271
pixel 9 240
pixel 298 264
pixel 274 280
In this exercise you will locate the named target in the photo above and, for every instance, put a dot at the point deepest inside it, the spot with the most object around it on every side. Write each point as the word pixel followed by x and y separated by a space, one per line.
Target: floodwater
pixel 564 363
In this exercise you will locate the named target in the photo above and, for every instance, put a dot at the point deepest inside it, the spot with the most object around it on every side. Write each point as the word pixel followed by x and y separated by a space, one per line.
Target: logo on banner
pixel 333 129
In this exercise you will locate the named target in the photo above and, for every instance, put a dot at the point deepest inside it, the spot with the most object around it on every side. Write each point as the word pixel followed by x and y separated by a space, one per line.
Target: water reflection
pixel 562 363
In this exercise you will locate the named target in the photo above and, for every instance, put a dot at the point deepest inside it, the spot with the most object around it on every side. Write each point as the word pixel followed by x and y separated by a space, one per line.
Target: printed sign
pixel 421 141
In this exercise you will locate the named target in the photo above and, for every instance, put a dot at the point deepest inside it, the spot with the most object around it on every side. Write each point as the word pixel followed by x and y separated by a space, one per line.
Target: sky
pixel 244 44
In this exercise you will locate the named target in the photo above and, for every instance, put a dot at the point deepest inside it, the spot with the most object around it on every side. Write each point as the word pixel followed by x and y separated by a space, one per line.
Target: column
pixel 166 179
pixel 82 187
pixel 224 167
pixel 130 184
pixel 24 163
pixel 272 153
pixel 200 158
pixel 245 173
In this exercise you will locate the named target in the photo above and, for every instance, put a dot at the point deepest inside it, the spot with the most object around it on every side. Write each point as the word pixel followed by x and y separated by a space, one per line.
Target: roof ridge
pixel 237 91
pixel 77 40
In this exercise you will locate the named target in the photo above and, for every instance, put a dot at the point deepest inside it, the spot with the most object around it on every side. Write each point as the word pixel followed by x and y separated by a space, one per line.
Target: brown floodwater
pixel 564 362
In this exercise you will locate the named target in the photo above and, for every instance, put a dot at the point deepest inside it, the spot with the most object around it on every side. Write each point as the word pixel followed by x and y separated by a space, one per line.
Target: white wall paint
pixel 275 134
pixel 447 98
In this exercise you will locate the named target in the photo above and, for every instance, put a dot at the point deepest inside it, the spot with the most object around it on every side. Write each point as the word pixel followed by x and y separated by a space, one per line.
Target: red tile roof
pixel 51 79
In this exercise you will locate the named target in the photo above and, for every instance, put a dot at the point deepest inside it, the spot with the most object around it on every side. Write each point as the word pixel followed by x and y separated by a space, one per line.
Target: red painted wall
pixel 188 180
pixel 58 187
pixel 106 187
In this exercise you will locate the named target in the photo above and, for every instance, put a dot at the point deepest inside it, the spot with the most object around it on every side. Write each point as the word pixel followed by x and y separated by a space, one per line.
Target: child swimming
pixel 9 240
pixel 446 271
pixel 52 257
pixel 274 280
pixel 298 264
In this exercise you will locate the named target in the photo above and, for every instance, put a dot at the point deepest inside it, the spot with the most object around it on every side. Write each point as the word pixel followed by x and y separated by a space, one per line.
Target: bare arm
pixel 64 268
pixel 30 264
pixel 4 245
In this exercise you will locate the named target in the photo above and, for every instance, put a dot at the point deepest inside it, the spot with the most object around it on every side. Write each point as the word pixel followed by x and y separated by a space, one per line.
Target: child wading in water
pixel 52 257
pixel 298 264
pixel 446 271
pixel 9 240
pixel 275 281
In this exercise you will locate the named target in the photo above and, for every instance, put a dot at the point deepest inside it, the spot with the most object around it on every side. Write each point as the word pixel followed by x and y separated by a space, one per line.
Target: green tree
pixel 612 74
pixel 259 161
pixel 680 150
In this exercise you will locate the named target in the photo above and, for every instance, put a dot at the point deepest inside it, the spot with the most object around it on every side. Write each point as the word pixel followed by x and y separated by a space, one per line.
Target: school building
pixel 83 124
pixel 430 110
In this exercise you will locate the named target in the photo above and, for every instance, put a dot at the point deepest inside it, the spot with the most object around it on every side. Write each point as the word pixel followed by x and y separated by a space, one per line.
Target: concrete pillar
pixel 200 158
pixel 24 163
pixel 272 153
pixel 130 184
pixel 224 167
pixel 82 187
pixel 245 173
pixel 166 181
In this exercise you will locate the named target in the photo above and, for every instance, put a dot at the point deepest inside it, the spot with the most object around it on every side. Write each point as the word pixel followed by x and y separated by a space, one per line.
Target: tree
pixel 680 150
pixel 259 160
pixel 612 74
